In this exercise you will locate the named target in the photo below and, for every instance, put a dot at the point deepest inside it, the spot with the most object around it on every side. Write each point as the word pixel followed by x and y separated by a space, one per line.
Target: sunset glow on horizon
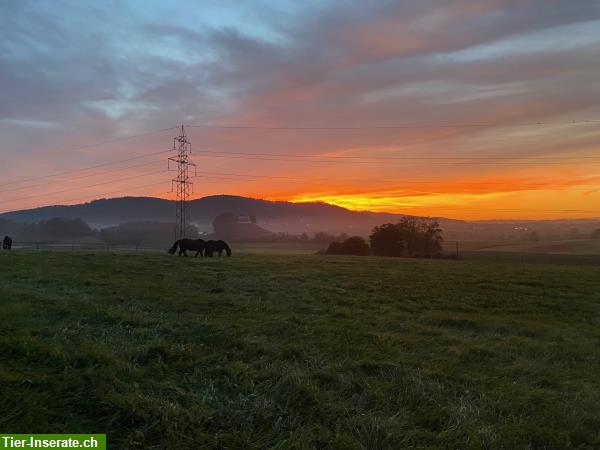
pixel 464 110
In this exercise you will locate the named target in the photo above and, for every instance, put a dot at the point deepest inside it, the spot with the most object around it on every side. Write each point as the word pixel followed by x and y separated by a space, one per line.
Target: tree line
pixel 74 230
pixel 409 237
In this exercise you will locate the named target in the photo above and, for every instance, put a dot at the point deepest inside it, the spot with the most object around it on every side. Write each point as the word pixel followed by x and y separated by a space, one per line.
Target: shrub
pixel 354 245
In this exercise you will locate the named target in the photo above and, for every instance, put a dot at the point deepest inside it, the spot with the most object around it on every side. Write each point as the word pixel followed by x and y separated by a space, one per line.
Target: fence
pixel 86 246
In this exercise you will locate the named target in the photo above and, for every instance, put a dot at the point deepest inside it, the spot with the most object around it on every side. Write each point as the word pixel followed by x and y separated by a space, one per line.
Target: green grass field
pixel 303 351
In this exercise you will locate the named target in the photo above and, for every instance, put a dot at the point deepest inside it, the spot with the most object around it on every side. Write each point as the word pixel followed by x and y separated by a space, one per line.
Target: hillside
pixel 279 216
pixel 275 216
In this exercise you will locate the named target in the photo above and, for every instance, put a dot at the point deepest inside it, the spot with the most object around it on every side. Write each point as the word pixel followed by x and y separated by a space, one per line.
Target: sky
pixel 454 108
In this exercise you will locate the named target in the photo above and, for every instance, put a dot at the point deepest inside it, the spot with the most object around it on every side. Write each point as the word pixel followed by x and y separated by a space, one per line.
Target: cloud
pixel 74 73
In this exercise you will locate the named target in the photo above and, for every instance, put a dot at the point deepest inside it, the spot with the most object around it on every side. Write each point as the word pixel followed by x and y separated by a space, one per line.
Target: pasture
pixel 300 351
pixel 560 247
pixel 566 251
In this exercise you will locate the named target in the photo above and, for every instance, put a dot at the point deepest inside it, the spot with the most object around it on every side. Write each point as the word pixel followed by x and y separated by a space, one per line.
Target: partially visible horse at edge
pixel 194 245
pixel 7 243
pixel 216 246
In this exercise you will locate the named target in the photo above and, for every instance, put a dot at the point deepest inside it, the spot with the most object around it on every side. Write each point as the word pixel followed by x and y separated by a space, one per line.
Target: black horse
pixel 7 243
pixel 195 245
pixel 216 246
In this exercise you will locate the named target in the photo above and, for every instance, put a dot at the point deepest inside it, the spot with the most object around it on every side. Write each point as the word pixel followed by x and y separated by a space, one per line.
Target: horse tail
pixel 173 249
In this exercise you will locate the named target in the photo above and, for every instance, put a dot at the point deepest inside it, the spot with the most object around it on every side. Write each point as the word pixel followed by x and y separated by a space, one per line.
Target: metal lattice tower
pixel 182 184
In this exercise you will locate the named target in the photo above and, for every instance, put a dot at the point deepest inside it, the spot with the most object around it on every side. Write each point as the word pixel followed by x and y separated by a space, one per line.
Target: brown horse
pixel 216 246
pixel 195 245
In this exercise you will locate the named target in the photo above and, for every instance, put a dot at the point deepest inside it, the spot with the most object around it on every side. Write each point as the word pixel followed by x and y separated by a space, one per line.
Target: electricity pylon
pixel 182 184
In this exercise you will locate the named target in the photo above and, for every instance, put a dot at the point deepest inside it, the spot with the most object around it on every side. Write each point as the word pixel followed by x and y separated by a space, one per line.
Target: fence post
pixel 107 247
pixel 136 248
pixel 37 245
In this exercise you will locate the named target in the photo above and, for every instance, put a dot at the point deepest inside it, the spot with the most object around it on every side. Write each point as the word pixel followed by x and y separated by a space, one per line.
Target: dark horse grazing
pixel 7 243
pixel 216 246
pixel 195 245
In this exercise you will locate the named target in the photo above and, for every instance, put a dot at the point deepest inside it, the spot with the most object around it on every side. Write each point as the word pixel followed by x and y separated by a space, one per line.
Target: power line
pixel 82 169
pixel 407 208
pixel 285 158
pixel 345 180
pixel 392 127
pixel 287 180
pixel 409 158
pixel 87 196
pixel 217 154
pixel 80 176
pixel 79 187
pixel 351 159
pixel 332 158
pixel 95 144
